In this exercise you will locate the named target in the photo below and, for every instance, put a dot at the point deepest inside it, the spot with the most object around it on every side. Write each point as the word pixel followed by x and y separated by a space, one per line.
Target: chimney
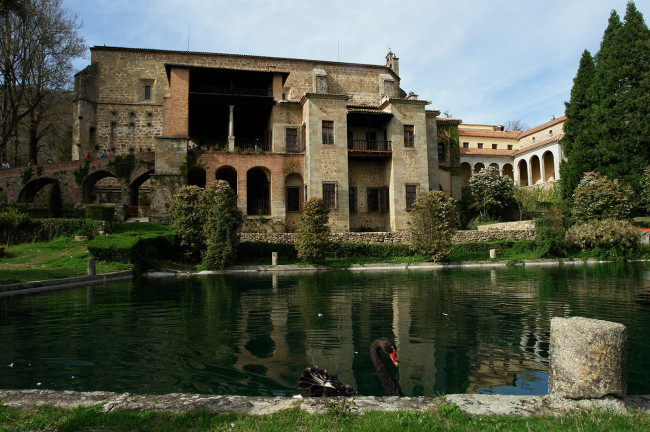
pixel 392 62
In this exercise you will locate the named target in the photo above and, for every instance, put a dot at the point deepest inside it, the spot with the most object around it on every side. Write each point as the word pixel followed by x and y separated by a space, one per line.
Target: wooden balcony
pixel 370 148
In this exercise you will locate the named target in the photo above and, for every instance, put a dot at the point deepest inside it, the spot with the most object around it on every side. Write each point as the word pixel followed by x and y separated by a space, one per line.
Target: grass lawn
pixel 59 258
pixel 445 418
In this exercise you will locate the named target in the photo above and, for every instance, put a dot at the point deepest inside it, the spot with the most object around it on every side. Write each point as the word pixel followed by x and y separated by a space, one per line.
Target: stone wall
pixel 394 237
pixel 527 225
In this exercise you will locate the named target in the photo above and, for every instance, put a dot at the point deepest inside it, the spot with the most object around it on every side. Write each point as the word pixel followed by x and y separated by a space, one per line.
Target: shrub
pixel 141 249
pixel 550 235
pixel 223 221
pixel 613 239
pixel 598 198
pixel 250 251
pixel 490 193
pixel 187 219
pixel 99 212
pixel 434 220
pixel 313 237
pixel 370 250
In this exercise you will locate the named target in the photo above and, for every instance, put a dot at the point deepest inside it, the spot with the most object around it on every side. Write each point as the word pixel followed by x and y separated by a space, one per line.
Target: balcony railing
pixel 370 145
pixel 231 91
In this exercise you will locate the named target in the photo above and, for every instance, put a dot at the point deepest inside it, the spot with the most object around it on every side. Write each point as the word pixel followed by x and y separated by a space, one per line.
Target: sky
pixel 484 61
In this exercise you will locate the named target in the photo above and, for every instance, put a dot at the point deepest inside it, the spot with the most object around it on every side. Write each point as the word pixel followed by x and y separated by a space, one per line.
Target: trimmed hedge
pixel 100 212
pixel 141 249
pixel 250 251
pixel 38 230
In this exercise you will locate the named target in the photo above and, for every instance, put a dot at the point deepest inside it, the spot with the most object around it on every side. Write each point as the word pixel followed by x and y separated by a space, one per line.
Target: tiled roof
pixel 554 138
pixel 488 133
pixel 543 126
pixel 486 152
pixel 449 120
pixel 252 69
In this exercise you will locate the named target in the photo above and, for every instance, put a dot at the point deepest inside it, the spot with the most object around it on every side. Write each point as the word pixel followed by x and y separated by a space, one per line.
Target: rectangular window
pixel 328 132
pixel 291 139
pixel 480 145
pixel 377 199
pixel 353 199
pixel 293 198
pixel 373 199
pixel 329 194
pixel 465 145
pixel 494 146
pixel 411 194
pixel 509 146
pixel 409 136
pixel 441 152
pixel 147 92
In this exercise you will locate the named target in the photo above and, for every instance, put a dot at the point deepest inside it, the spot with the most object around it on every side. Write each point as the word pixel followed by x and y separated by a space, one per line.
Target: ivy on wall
pixel 123 166
pixel 81 173
pixel 451 140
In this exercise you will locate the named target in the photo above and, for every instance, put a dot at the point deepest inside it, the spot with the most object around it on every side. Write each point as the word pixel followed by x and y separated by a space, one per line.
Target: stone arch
pixel 495 165
pixel 258 192
pixel 89 184
pixel 134 187
pixel 29 191
pixel 549 166
pixel 535 170
pixel 478 167
pixel 507 171
pixel 196 177
pixel 228 174
pixel 465 173
pixel 523 173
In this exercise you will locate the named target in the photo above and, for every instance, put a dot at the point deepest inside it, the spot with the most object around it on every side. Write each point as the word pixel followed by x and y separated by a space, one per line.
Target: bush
pixel 370 250
pixel 610 238
pixel 434 220
pixel 186 219
pixel 313 237
pixel 253 251
pixel 223 221
pixel 550 235
pixel 490 193
pixel 598 198
pixel 99 212
pixel 17 227
pixel 141 249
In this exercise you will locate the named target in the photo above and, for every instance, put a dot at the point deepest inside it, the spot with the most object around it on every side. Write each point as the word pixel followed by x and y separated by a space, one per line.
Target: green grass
pixel 445 418
pixel 59 258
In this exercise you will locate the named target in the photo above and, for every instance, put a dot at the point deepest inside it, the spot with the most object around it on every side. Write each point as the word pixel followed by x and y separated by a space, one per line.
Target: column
pixel 542 169
pixel 231 129
pixel 530 172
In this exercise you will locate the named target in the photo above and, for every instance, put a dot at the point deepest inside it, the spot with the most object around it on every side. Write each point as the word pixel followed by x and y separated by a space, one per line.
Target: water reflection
pixel 457 331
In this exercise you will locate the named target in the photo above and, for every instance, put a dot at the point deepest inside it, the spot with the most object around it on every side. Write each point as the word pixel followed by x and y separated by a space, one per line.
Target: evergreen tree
pixel 55 208
pixel 578 141
pixel 608 125
pixel 313 237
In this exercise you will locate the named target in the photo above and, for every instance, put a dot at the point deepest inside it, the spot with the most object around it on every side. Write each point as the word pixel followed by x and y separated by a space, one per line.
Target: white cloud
pixel 485 61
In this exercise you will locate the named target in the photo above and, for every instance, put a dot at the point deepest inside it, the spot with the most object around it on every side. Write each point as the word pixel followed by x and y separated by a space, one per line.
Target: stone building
pixel 279 130
pixel 530 157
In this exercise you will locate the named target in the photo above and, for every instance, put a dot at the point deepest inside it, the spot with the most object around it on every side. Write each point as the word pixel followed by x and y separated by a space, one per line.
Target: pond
pixel 458 331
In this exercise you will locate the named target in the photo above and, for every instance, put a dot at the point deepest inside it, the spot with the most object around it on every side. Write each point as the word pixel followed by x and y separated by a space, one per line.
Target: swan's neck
pixel 391 386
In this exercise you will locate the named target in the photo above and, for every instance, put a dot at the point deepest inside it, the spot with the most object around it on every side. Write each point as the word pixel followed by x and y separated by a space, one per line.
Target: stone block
pixel 587 358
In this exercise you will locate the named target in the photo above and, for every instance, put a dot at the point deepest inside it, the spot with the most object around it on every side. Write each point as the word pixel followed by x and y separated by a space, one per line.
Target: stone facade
pixel 278 130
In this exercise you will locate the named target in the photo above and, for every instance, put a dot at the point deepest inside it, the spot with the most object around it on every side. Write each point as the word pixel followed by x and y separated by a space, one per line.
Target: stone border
pixel 54 284
pixel 472 404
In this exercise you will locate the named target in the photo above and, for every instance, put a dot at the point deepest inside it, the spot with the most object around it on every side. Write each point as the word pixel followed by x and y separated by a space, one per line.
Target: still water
pixel 458 331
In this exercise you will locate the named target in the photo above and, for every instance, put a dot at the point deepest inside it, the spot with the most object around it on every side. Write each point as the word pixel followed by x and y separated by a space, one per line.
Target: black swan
pixel 316 382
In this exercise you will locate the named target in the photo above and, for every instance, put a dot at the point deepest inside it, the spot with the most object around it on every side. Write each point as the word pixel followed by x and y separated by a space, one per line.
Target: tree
pixel 223 222
pixel 434 220
pixel 39 40
pixel 516 125
pixel 490 193
pixel 645 189
pixel 313 237
pixel 578 141
pixel 608 117
pixel 187 219
pixel 598 198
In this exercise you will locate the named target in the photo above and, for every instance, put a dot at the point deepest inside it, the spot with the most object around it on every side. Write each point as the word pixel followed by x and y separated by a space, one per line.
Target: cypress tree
pixel 578 141
pixel 55 209
pixel 608 125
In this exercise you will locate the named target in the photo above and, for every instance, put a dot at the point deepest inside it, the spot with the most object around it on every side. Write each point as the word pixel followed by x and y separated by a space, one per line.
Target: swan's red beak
pixel 393 357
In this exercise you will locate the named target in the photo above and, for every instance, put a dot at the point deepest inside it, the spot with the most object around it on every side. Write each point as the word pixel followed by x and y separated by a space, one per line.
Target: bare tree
pixel 37 47
pixel 516 125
